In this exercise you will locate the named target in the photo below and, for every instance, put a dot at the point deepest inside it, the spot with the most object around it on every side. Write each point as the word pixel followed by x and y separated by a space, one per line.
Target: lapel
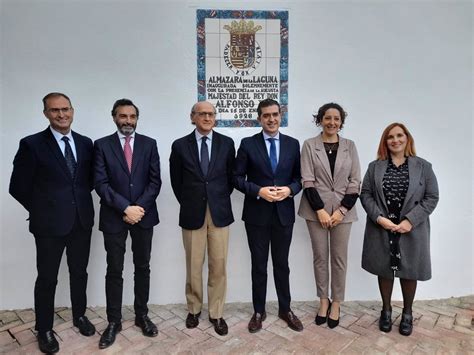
pixel 193 152
pixel 414 172
pixel 116 146
pixel 138 151
pixel 53 145
pixel 341 155
pixel 215 149
pixel 323 157
pixel 379 171
pixel 262 149
pixel 79 150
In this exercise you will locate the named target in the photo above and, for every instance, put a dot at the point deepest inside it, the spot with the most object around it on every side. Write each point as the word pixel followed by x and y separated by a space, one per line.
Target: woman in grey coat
pixel 399 192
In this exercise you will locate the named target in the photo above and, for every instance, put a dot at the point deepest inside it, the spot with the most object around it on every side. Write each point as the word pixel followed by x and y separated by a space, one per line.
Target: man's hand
pixel 268 193
pixel 282 192
pixel 128 220
pixel 134 213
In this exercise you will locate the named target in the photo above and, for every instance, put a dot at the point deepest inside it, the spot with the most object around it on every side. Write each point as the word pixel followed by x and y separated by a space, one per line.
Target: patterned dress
pixel 395 187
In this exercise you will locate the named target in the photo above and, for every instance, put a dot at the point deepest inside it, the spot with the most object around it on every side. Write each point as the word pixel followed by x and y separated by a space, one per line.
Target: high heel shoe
pixel 333 323
pixel 322 319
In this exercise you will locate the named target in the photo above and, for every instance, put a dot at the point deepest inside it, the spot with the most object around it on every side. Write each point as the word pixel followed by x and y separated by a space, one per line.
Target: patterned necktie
pixel 273 154
pixel 127 150
pixel 69 156
pixel 204 156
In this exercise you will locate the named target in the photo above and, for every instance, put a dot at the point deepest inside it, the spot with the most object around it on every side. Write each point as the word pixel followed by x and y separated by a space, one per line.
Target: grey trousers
pixel 330 247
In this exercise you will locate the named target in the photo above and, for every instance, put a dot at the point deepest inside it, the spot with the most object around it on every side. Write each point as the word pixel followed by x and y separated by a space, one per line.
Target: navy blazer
pixel 42 183
pixel 193 190
pixel 118 188
pixel 252 171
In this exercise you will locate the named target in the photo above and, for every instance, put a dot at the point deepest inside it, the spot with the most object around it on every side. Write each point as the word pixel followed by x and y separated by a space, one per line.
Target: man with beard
pixel 127 179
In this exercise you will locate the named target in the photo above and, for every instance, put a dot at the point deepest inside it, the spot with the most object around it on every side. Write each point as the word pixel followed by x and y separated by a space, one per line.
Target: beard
pixel 126 129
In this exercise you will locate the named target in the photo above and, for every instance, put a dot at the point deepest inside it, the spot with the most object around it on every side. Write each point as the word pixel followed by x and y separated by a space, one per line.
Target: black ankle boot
pixel 385 321
pixel 406 324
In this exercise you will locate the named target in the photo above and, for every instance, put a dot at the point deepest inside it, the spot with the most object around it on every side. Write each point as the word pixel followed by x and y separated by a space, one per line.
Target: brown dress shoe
pixel 192 320
pixel 255 323
pixel 220 326
pixel 292 320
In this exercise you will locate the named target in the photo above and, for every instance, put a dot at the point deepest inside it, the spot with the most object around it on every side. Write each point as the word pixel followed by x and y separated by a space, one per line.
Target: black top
pixel 395 187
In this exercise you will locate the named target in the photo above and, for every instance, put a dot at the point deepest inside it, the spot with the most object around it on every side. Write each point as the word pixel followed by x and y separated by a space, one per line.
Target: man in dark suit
pixel 52 179
pixel 127 179
pixel 201 177
pixel 267 171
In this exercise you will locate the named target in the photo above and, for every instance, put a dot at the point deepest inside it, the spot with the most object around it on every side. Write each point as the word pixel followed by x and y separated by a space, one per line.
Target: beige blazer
pixel 316 172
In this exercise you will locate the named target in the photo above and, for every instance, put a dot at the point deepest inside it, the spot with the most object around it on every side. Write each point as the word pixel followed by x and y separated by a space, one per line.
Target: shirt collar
pixel 58 136
pixel 266 136
pixel 123 136
pixel 199 135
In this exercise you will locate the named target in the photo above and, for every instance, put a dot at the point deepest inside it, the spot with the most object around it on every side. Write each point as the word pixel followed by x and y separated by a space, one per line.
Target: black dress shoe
pixel 86 328
pixel 406 324
pixel 47 342
pixel 108 336
pixel 220 326
pixel 322 319
pixel 385 321
pixel 292 320
pixel 333 323
pixel 255 323
pixel 192 320
pixel 148 328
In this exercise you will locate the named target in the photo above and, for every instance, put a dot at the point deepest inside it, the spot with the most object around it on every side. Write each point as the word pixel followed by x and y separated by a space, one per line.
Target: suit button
pixel 207 182
pixel 416 202
pixel 73 202
pixel 204 199
pixel 332 189
pixel 131 185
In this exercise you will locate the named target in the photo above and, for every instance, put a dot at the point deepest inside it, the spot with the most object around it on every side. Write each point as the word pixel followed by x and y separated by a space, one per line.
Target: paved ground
pixel 441 327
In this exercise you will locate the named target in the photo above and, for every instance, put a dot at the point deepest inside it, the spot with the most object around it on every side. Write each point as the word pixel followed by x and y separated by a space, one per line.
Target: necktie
pixel 69 156
pixel 127 150
pixel 273 154
pixel 204 156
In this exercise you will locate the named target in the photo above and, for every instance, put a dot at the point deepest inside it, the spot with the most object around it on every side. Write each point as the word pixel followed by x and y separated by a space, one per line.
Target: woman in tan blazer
pixel 330 171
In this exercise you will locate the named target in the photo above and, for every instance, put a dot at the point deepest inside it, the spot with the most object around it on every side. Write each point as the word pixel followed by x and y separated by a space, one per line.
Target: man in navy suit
pixel 52 179
pixel 267 171
pixel 201 177
pixel 127 179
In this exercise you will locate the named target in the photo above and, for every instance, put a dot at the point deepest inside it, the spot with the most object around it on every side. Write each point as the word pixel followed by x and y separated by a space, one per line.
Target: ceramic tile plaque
pixel 242 58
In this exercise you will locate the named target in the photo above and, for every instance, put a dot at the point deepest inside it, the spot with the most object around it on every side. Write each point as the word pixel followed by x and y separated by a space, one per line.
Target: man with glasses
pixel 201 177
pixel 127 179
pixel 267 171
pixel 52 179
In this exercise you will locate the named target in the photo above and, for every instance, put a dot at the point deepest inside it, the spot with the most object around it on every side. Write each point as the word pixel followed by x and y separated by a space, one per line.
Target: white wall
pixel 383 61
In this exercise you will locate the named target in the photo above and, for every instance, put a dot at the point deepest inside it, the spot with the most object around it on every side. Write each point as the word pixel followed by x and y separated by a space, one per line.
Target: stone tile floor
pixel 440 327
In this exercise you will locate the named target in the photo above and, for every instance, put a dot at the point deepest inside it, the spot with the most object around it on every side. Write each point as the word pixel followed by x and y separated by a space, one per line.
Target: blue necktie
pixel 204 156
pixel 273 154
pixel 69 156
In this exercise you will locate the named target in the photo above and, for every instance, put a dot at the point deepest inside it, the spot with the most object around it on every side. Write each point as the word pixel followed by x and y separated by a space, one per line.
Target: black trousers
pixel 49 251
pixel 115 247
pixel 260 239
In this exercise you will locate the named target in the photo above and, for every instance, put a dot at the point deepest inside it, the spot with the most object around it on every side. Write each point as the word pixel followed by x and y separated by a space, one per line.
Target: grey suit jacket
pixel 420 201
pixel 316 172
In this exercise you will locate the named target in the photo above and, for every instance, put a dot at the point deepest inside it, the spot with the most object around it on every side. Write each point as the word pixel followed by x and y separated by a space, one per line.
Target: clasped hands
pixel 328 221
pixel 274 193
pixel 403 227
pixel 133 214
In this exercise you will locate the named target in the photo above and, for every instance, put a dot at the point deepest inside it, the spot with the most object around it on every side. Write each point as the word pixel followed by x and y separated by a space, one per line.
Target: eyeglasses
pixel 62 110
pixel 204 114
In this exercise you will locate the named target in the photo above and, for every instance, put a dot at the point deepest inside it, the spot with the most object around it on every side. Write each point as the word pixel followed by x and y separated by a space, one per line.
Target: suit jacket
pixel 193 190
pixel 118 188
pixel 42 183
pixel 421 199
pixel 252 171
pixel 316 172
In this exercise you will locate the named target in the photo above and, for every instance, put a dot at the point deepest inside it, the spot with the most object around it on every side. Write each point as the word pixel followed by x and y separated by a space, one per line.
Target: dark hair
pixel 123 102
pixel 266 103
pixel 382 151
pixel 322 110
pixel 55 94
